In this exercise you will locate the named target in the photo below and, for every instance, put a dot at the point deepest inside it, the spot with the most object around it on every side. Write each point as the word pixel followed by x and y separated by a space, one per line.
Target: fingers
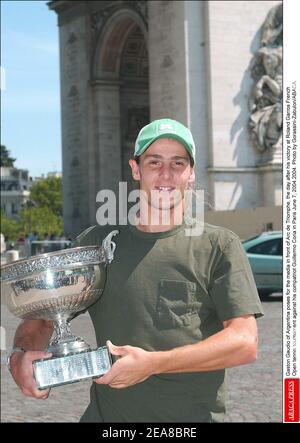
pixel 132 368
pixel 106 378
pixel 37 355
pixel 119 385
pixel 117 350
pixel 36 393
pixel 30 390
pixel 110 382
pixel 22 372
pixel 44 394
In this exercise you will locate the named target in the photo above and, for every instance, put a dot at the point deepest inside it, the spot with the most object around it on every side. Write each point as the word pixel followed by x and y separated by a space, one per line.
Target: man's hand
pixel 133 366
pixel 234 345
pixel 22 372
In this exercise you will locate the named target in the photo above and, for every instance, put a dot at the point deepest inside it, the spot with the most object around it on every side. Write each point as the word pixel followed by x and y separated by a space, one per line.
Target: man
pixel 176 309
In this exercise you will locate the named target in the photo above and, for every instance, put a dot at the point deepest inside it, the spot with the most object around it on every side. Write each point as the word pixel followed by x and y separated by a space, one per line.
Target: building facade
pixel 15 190
pixel 124 63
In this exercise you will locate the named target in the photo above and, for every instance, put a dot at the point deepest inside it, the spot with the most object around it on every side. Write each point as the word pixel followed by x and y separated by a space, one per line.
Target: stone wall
pixel 247 222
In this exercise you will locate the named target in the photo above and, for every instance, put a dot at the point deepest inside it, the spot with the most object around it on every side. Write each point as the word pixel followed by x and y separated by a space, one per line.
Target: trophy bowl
pixel 58 286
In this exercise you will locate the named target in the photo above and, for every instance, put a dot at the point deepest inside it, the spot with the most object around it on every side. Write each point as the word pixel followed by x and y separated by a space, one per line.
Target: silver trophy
pixel 57 287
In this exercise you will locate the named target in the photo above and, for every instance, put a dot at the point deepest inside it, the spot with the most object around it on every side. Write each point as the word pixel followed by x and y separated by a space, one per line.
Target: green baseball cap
pixel 164 128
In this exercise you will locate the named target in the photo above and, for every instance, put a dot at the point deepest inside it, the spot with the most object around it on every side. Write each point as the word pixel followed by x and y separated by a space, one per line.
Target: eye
pixel 179 163
pixel 154 162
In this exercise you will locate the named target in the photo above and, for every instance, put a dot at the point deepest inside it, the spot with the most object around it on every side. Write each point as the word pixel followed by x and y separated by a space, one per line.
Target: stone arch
pixel 110 41
pixel 119 79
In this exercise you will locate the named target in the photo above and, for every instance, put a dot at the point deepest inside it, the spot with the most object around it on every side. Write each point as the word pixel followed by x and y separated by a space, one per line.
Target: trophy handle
pixel 109 246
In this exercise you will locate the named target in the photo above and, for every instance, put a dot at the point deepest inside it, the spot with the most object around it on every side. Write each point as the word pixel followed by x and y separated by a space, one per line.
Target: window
pixel 14 208
pixel 268 247
pixel 280 247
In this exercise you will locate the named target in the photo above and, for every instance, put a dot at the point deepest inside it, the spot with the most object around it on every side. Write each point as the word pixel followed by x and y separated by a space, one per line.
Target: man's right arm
pixel 33 336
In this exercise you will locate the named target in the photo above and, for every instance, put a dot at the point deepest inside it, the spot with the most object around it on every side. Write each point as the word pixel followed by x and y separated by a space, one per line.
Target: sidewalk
pixel 254 391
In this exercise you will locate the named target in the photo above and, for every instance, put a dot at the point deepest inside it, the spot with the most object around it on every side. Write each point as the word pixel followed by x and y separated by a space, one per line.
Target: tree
pixel 6 159
pixel 47 193
pixel 41 220
pixel 41 214
pixel 10 228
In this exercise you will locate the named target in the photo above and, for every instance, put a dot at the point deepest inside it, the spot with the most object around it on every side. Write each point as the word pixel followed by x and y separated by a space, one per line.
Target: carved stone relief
pixel 266 98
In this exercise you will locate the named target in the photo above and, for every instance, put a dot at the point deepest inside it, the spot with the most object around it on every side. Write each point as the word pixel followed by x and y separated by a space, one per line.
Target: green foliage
pixel 10 228
pixel 47 193
pixel 5 159
pixel 41 220
pixel 41 214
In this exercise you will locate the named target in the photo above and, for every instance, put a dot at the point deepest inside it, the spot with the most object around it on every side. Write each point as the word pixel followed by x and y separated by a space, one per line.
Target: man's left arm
pixel 235 345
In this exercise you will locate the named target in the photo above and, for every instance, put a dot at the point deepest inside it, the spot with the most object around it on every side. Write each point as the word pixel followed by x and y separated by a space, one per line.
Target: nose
pixel 165 172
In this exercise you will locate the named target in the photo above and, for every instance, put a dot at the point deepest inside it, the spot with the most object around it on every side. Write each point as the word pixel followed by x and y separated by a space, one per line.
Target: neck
pixel 150 219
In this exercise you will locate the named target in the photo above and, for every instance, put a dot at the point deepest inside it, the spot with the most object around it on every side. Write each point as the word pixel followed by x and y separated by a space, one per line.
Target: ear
pixel 192 176
pixel 135 170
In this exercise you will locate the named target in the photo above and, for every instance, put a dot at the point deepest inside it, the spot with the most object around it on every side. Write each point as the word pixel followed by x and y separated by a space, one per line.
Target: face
pixel 165 169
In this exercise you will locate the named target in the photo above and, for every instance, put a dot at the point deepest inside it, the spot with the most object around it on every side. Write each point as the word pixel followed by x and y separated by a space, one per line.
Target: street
pixel 254 390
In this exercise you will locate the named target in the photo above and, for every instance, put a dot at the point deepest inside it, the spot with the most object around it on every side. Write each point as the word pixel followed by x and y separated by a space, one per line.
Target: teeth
pixel 165 188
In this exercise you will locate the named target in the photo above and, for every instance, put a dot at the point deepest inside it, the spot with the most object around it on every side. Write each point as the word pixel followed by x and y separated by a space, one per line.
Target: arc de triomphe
pixel 126 62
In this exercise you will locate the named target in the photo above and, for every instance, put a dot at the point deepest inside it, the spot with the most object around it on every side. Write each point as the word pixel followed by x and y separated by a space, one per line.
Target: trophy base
pixel 56 371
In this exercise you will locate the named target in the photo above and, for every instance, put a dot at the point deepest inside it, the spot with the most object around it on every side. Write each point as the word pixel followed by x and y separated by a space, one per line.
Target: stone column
pixel 178 81
pixel 197 86
pixel 74 66
pixel 167 61
pixel 271 184
pixel 105 173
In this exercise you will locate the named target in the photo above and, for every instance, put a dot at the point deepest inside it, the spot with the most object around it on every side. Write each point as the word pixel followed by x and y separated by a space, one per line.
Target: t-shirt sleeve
pixel 232 288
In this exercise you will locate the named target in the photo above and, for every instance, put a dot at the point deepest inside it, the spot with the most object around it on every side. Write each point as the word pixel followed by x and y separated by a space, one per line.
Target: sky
pixel 30 95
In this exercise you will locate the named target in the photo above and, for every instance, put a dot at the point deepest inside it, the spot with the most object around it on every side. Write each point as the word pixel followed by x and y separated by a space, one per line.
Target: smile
pixel 164 188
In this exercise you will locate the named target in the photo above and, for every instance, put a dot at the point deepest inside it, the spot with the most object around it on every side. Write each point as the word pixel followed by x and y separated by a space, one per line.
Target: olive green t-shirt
pixel 165 290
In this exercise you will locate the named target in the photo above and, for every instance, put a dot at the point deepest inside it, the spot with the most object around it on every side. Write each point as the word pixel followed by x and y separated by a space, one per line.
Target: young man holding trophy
pixel 178 306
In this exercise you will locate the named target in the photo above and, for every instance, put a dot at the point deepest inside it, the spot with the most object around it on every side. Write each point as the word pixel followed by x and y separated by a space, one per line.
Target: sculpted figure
pixel 266 99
